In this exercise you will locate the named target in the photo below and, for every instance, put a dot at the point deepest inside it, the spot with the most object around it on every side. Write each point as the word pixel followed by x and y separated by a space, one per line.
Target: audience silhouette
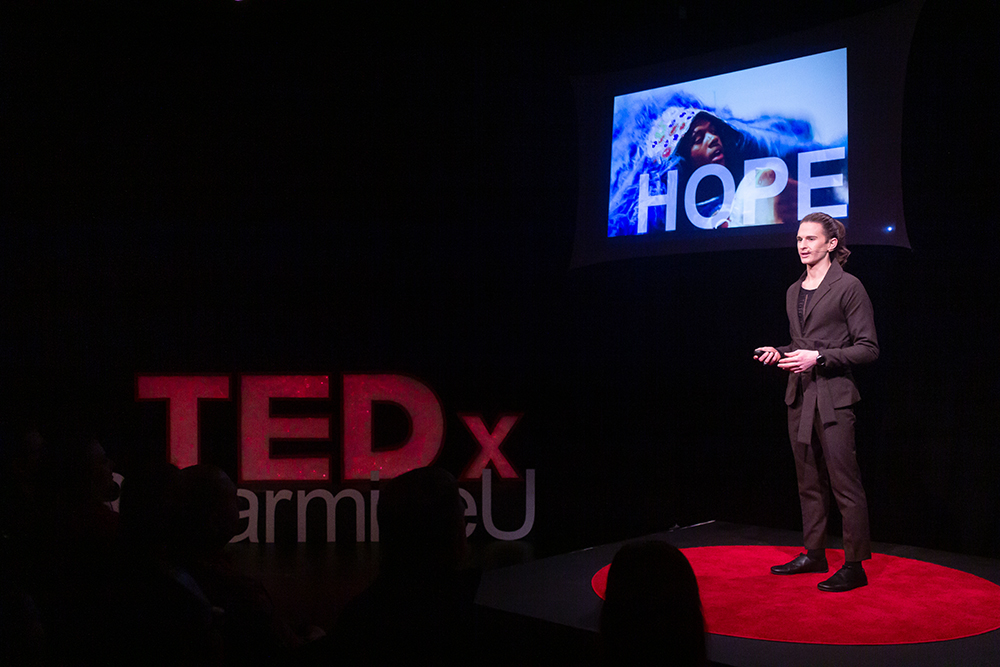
pixel 154 584
pixel 419 609
pixel 652 611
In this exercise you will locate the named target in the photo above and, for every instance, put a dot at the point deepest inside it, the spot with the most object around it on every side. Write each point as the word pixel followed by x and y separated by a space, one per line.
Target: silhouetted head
pixel 652 608
pixel 149 504
pixel 80 470
pixel 209 512
pixel 421 520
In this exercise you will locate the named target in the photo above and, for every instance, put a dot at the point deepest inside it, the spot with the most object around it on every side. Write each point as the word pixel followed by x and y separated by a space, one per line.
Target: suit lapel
pixel 792 304
pixel 831 277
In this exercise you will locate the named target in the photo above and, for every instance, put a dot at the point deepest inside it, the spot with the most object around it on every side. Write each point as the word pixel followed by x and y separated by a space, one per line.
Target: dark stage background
pixel 289 187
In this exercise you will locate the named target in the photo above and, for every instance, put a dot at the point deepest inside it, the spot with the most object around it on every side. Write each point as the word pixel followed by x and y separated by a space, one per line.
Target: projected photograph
pixel 748 149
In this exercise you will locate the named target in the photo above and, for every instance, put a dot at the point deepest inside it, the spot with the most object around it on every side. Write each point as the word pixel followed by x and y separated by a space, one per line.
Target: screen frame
pixel 877 44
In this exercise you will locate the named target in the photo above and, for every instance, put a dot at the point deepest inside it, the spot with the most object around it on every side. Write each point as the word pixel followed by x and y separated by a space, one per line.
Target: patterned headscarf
pixel 668 130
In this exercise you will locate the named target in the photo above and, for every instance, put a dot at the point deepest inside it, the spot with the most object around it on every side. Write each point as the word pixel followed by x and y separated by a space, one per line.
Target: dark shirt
pixel 804 296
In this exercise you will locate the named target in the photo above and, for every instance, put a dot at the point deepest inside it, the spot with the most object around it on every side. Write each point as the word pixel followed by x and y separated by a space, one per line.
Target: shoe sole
pixel 827 589
pixel 823 571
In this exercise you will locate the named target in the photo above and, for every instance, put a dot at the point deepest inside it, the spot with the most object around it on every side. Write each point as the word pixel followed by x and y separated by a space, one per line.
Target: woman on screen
pixel 665 139
pixel 690 138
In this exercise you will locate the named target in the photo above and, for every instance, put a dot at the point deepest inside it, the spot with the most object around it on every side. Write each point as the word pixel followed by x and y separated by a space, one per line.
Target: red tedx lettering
pixel 182 394
pixel 426 425
pixel 257 428
pixel 490 446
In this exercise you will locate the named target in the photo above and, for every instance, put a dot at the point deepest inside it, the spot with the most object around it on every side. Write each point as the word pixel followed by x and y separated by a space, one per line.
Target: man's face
pixel 812 244
pixel 706 145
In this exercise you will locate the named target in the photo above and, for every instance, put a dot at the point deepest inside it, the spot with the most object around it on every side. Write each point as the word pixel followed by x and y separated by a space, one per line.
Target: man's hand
pixel 799 361
pixel 767 355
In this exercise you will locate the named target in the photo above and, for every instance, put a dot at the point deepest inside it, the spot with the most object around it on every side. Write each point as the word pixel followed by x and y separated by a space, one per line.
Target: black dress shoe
pixel 846 579
pixel 801 565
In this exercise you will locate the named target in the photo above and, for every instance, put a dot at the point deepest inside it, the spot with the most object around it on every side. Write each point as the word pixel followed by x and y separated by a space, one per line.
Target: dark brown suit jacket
pixel 840 324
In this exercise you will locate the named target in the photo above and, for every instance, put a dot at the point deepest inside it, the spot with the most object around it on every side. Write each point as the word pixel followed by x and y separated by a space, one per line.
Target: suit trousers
pixel 828 461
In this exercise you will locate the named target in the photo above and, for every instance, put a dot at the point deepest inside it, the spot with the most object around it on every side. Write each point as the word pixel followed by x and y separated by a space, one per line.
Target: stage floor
pixel 553 597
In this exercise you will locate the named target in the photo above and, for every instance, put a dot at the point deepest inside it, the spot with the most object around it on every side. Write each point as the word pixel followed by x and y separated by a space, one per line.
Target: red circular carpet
pixel 907 601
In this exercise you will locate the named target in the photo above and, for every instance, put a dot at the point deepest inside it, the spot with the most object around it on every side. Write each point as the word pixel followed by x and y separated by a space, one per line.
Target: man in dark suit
pixel 832 329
